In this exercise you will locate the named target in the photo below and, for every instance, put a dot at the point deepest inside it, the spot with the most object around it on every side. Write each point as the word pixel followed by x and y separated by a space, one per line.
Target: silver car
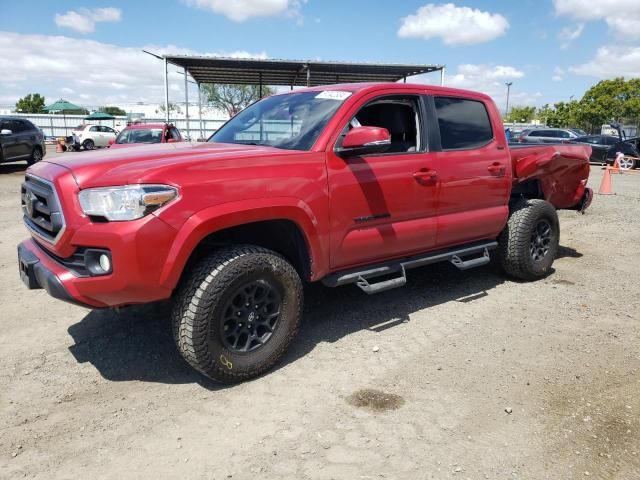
pixel 548 135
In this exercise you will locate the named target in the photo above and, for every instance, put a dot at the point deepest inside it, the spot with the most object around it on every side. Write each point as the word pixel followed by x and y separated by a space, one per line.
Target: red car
pixel 145 133
pixel 340 184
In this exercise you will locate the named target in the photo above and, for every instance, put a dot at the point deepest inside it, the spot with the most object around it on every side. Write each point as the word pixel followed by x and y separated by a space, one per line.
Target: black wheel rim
pixel 541 240
pixel 250 316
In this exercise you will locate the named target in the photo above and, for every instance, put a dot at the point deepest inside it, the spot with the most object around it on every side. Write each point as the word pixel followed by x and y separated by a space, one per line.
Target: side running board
pixel 464 258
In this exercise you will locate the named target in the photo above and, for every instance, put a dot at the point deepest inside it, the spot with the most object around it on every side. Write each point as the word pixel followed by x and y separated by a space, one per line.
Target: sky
pixel 90 52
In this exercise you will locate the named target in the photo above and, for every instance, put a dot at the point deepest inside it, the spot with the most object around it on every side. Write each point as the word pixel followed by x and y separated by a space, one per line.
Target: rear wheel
pixel 529 243
pixel 237 312
pixel 36 156
pixel 88 144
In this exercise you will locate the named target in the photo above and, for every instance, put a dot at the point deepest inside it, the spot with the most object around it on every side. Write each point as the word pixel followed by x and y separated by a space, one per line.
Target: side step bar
pixel 463 258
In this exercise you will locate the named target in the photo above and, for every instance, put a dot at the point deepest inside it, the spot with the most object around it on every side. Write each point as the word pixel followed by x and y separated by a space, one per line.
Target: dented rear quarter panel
pixel 562 171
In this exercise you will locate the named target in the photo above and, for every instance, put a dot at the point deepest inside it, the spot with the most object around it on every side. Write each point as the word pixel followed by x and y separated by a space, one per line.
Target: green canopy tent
pixel 64 107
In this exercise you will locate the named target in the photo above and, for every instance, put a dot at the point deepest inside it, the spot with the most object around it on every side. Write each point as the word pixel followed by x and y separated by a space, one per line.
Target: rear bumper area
pixel 585 201
pixel 35 275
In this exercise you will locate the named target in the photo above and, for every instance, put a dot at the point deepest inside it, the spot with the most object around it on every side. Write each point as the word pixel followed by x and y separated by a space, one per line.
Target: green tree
pixel 611 100
pixel 561 115
pixel 113 111
pixel 233 98
pixel 32 103
pixel 521 114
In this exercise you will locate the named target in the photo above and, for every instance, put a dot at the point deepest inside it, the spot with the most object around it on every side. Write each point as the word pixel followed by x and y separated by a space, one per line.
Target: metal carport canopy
pixel 292 72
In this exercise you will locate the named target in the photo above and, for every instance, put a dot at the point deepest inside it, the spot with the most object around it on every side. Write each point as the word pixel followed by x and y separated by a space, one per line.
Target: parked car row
pixel 604 147
pixel 88 137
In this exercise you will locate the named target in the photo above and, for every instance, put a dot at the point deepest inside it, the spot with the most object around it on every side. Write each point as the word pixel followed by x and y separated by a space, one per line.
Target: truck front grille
pixel 41 209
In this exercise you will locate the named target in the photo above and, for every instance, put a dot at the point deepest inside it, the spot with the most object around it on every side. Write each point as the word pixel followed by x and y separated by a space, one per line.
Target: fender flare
pixel 219 217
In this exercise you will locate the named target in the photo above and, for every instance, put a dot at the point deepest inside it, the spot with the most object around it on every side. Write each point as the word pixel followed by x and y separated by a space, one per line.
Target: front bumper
pixel 136 259
pixel 35 275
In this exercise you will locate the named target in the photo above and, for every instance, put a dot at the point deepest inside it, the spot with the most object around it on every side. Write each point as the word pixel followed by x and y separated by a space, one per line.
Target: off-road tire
pixel 88 144
pixel 514 255
pixel 36 156
pixel 199 311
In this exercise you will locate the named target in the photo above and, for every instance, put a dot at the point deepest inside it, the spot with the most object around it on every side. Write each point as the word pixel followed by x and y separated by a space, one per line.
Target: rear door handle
pixel 424 176
pixel 496 168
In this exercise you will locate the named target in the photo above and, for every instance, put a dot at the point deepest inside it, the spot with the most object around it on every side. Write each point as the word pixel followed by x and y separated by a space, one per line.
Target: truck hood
pixel 149 162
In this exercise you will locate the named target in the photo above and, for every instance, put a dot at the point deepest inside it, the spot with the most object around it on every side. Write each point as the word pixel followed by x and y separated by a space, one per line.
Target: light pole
pixel 508 84
pixel 166 83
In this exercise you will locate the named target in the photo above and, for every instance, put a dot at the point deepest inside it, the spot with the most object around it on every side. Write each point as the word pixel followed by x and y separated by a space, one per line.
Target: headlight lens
pixel 128 202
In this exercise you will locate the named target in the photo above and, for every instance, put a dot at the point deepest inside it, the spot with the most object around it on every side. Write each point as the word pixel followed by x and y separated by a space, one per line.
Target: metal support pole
pixel 200 109
pixel 404 80
pixel 442 77
pixel 308 76
pixel 166 90
pixel 186 102
pixel 260 76
pixel 508 84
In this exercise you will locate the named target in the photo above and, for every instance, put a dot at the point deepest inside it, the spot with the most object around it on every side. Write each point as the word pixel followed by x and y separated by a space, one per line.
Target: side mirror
pixel 171 140
pixel 5 131
pixel 364 141
pixel 112 141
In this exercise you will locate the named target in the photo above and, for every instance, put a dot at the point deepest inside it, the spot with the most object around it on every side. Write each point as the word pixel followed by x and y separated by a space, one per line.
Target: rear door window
pixel 17 126
pixel 463 123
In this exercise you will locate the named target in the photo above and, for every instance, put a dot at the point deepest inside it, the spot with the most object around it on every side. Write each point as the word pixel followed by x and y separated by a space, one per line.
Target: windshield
pixel 292 121
pixel 579 132
pixel 140 135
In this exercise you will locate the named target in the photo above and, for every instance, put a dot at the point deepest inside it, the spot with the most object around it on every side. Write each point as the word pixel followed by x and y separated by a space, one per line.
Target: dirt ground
pixel 460 375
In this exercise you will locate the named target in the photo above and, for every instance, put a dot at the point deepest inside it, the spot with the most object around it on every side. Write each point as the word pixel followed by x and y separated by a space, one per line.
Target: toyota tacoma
pixel 343 184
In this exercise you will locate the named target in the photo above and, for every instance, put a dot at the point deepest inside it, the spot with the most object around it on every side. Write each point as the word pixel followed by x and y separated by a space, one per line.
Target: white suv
pixel 92 136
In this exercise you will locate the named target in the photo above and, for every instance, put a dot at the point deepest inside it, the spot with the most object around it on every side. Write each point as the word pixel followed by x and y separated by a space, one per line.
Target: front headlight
pixel 128 202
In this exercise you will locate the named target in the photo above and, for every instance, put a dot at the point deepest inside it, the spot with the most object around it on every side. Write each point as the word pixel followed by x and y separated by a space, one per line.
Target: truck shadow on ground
pixel 7 168
pixel 135 343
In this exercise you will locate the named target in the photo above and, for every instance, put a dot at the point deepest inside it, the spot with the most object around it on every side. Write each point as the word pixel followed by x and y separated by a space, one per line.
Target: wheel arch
pixel 529 189
pixel 290 230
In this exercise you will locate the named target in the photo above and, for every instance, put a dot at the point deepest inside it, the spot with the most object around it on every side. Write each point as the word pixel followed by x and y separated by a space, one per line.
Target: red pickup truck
pixel 340 184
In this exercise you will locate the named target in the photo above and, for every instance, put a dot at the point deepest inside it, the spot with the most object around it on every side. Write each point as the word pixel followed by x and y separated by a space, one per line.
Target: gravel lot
pixel 481 377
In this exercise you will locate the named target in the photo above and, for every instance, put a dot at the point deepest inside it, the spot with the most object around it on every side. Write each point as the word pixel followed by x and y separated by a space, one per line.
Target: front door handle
pixel 496 168
pixel 425 176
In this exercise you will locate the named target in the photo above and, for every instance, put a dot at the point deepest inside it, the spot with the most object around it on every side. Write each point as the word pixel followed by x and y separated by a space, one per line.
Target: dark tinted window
pixel 463 123
pixel 18 126
pixel 174 134
pixel 94 129
pixel 563 134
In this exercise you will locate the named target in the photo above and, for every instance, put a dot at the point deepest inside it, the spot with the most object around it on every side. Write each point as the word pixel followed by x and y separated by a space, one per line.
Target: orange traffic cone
pixel 605 184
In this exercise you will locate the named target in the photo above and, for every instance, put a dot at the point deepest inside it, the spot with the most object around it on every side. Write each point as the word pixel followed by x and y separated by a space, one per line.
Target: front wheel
pixel 237 312
pixel 529 243
pixel 88 144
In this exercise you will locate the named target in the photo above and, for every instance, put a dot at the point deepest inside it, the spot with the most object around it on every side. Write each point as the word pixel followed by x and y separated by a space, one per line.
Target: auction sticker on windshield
pixel 333 95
